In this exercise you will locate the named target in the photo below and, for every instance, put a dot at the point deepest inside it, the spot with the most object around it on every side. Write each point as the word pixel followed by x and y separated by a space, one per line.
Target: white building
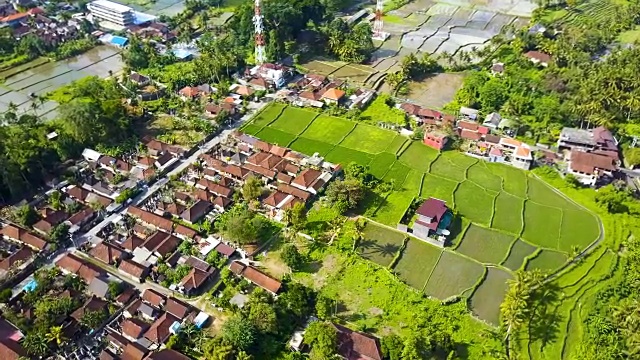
pixel 112 12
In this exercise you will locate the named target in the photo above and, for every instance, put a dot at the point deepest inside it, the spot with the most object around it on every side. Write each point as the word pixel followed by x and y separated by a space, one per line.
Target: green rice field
pixel 506 217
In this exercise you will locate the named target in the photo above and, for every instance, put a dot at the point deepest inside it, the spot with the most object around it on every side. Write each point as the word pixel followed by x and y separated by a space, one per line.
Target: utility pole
pixel 378 24
pixel 259 35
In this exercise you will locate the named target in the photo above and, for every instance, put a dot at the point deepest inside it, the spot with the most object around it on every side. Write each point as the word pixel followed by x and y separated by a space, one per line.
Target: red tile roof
pixel 470 135
pixel 432 208
pixel 134 328
pixel 159 330
pixel 150 218
pixel 133 268
pixel 270 174
pixel 132 242
pixel 307 177
pixel 353 345
pixel 177 308
pixel 194 279
pixel 275 198
pixel 92 305
pixel 215 188
pixel 134 351
pixel 261 279
pixel 333 94
pixel 18 257
pixel 539 56
pixel 81 216
pixel 469 125
pixel 107 253
pixel 22 235
pixel 225 249
pixel 78 266
pixel 189 91
pixel 588 163
pixel 301 194
pixel 154 298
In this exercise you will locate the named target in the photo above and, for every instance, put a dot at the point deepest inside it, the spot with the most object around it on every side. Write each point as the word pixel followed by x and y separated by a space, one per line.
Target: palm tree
pixel 36 344
pixel 55 334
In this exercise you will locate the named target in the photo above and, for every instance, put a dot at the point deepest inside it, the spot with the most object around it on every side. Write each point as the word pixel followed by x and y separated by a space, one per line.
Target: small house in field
pixel 434 218
pixel 435 139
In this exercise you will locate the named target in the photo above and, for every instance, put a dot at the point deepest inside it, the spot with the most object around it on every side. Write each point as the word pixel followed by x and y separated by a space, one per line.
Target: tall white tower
pixel 378 24
pixel 259 36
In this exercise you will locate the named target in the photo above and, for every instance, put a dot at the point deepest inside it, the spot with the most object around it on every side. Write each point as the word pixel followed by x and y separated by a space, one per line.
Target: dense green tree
pixel 60 234
pixel 323 340
pixel 345 194
pixel 392 347
pixel 263 317
pixel 252 188
pixel 93 319
pixel 35 343
pixel 292 257
pixel 5 295
pixel 612 199
pixel 26 215
pixel 296 216
pixel 324 307
pixel 239 332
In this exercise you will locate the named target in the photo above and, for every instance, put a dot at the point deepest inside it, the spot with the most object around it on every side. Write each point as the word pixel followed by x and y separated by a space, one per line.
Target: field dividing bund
pixel 506 219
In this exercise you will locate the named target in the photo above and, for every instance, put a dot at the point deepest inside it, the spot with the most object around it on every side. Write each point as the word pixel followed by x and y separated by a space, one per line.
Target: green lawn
pixel 380 244
pixel 397 203
pixel 542 225
pixel 485 301
pixel 474 203
pixel 541 193
pixel 418 156
pixel 398 172
pixel 417 261
pixel 485 245
pixel 396 144
pixel 274 136
pixel 251 129
pixel 294 120
pixel 483 176
pixel 629 36
pixel 439 188
pixel 453 275
pixel 547 260
pixel 508 213
pixel 579 228
pixel 369 139
pixel 328 129
pixel 519 251
pixel 381 164
pixel 310 146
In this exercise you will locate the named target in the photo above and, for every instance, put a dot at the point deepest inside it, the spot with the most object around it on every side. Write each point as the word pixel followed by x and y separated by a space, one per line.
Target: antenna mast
pixel 259 36
pixel 378 24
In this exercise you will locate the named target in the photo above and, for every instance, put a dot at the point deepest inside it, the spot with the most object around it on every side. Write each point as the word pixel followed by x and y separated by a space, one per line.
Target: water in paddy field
pixel 39 78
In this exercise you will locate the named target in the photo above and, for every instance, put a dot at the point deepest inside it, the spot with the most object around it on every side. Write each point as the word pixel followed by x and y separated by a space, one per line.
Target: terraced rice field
pixel 507 219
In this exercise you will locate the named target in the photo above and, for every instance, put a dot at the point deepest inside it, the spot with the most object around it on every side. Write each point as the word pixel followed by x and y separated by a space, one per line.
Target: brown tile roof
pixel 11 350
pixel 539 56
pixel 150 218
pixel 353 345
pixel 469 125
pixel 271 162
pixel 134 351
pixel 490 138
pixel 159 330
pixel 410 109
pixel 261 279
pixel 196 211
pixel 177 308
pixel 132 242
pixel 54 217
pixel 262 145
pixel 244 90
pixel 215 188
pixel 270 174
pixel 76 265
pixel 107 253
pixel 258 157
pixel 182 196
pixel 171 208
pixel 117 339
pixel 142 231
pixel 168 354
pixel 185 231
pixel 201 194
pixel 470 134
pixel 126 295
pixel 194 279
pixel 107 355
pixel 275 198
pixel 146 161
pixel 278 150
pixel 22 235
pixel 194 262
pixel 225 249
pixel 189 91
pixel 17 257
pixel 309 95
pixel 78 192
pixel 291 202
pixel 91 305
pixel 333 94
pixel 237 267
pixel 134 328
pixel 154 298
pixel 588 163
pixel 301 194
pixel 81 216
pixel 307 177
pixel 282 177
pixel 222 202
pixel 133 268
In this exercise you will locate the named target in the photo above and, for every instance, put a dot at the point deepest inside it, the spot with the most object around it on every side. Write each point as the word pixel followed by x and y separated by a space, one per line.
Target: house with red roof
pixel 333 96
pixel 435 139
pixel 589 167
pixel 434 217
pixel 354 345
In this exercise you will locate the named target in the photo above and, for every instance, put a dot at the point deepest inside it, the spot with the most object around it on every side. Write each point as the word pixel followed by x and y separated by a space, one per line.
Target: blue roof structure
pixel 119 41
pixel 201 319
pixel 182 54
pixel 30 286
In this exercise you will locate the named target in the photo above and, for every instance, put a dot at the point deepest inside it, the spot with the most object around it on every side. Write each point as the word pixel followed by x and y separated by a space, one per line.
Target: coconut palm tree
pixel 55 334
pixel 36 344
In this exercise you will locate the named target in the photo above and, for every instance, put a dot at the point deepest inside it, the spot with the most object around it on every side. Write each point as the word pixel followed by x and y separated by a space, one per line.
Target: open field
pixel 380 244
pixel 485 245
pixel 274 136
pixel 474 202
pixel 381 164
pixel 438 187
pixel 417 263
pixel 368 138
pixel 328 129
pixel 508 213
pixel 542 224
pixel 418 156
pixel 294 120
pixel 480 174
pixel 268 115
pixel 491 291
pixel 436 91
pixel 547 260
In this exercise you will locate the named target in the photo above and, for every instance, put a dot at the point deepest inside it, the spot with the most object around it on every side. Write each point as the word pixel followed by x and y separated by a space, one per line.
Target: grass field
pixel 486 299
pixel 396 204
pixel 418 156
pixel 344 156
pixel 369 139
pixel 485 245
pixel 541 193
pixel 474 203
pixel 294 120
pixel 519 251
pixel 380 244
pixel 267 115
pixel 452 275
pixel 446 168
pixel 251 129
pixel 480 174
pixel 578 228
pixel 417 262
pixel 396 144
pixel 508 216
pixel 397 173
pixel 547 260
pixel 514 180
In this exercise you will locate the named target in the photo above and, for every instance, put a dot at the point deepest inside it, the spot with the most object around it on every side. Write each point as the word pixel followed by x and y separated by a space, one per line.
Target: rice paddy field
pixel 507 219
